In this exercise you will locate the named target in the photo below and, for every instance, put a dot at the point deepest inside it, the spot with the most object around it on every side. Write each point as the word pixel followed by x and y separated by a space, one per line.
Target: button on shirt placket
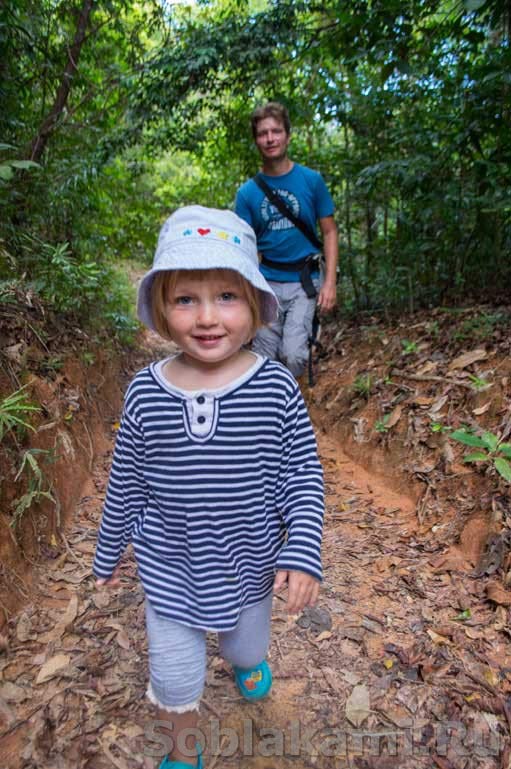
pixel 202 410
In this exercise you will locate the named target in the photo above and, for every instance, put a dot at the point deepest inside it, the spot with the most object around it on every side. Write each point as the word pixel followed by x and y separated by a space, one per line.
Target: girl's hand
pixel 113 581
pixel 303 589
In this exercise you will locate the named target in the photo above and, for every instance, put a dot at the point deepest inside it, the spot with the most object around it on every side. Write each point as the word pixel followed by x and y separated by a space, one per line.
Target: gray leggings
pixel 177 654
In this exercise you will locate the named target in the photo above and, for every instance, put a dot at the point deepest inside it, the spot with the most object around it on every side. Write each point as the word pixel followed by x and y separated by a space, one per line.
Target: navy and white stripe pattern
pixel 211 520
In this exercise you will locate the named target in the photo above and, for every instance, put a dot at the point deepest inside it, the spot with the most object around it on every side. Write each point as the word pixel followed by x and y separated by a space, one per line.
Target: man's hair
pixel 272 109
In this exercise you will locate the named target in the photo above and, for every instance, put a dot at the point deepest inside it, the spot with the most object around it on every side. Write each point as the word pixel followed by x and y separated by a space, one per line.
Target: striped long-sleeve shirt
pixel 211 517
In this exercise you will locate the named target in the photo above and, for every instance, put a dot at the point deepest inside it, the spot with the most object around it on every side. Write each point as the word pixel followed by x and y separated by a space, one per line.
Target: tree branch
pixel 50 121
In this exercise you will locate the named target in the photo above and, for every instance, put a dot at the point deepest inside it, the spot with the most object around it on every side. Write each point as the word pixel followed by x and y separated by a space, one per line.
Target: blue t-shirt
pixel 306 193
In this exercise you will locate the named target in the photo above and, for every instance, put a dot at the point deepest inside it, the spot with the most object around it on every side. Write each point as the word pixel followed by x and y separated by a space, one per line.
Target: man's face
pixel 271 139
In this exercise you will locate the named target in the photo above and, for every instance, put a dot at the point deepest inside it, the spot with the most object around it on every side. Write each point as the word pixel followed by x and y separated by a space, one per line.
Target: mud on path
pixel 405 664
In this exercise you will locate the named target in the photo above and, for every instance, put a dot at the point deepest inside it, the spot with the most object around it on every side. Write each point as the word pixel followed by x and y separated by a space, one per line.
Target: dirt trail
pixel 394 672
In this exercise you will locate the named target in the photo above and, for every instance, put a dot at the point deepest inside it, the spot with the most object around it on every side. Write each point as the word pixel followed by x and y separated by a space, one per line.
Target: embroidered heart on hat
pixel 202 231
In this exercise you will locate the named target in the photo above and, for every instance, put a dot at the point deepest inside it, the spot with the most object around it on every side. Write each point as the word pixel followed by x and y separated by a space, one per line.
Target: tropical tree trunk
pixel 369 265
pixel 50 121
pixel 349 256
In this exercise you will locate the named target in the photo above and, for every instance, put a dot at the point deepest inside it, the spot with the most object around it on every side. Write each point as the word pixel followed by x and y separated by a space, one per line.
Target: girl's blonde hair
pixel 165 282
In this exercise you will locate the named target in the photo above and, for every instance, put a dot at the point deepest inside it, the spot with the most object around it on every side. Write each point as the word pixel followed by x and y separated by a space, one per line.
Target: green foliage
pixel 481 326
pixel 438 427
pixel 88 358
pixel 363 385
pixel 51 364
pixel 15 410
pixel 37 488
pixel 433 329
pixel 478 383
pixel 100 296
pixel 62 227
pixel 462 616
pixel 408 347
pixel 492 451
pixel 61 280
pixel 8 167
pixel 381 424
pixel 118 298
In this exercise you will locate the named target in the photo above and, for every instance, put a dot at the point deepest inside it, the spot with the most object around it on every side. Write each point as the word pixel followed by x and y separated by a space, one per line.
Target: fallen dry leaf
pixel 64 623
pixel 438 405
pixel 358 705
pixel 398 716
pixel 15 352
pixel 453 560
pixel 350 677
pixel 117 761
pixel 101 599
pixel 123 640
pixel 6 713
pixel 332 679
pixel 482 409
pixel 473 634
pixel 71 611
pixel 442 763
pixel 490 676
pixel 24 631
pixel 447 452
pixel 371 625
pixel 462 361
pixel 437 638
pixel 13 693
pixel 423 400
pixel 427 368
pixel 446 631
pixel 501 622
pixel 52 667
pixel 498 594
pixel 394 417
pixel 74 578
pixel 430 672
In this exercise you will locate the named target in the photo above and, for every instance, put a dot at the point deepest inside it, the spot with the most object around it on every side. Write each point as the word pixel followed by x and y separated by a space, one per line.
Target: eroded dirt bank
pixel 44 472
pixel 405 665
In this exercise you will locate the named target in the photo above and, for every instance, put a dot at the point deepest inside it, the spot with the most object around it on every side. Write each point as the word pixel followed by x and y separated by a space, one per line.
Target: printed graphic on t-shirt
pixel 272 217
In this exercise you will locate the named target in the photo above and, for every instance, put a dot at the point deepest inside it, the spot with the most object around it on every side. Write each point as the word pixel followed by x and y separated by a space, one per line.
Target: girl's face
pixel 209 319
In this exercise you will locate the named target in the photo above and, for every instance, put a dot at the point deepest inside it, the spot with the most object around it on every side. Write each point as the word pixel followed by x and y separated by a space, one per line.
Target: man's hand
pixel 303 589
pixel 113 581
pixel 327 297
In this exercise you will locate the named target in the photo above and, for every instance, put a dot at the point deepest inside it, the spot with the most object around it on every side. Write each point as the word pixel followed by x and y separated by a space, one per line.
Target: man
pixel 284 248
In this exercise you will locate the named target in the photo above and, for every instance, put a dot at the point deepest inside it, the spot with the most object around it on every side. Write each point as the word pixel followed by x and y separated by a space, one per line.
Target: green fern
pixel 14 411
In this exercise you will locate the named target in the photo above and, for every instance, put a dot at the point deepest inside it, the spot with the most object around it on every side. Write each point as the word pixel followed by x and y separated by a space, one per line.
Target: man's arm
pixel 327 298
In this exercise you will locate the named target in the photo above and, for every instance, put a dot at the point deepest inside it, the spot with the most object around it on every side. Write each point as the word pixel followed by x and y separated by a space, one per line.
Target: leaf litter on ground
pixel 399 644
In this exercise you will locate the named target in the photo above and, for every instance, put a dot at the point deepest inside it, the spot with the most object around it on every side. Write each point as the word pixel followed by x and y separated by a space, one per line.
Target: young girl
pixel 215 477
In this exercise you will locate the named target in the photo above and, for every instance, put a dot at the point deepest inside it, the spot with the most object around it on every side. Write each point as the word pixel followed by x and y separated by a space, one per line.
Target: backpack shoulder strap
pixel 286 211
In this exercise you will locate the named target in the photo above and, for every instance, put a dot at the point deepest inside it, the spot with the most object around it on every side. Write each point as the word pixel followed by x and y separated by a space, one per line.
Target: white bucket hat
pixel 199 238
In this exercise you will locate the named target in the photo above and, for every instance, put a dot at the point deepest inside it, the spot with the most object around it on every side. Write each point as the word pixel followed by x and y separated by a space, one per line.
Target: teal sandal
pixel 254 683
pixel 168 764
